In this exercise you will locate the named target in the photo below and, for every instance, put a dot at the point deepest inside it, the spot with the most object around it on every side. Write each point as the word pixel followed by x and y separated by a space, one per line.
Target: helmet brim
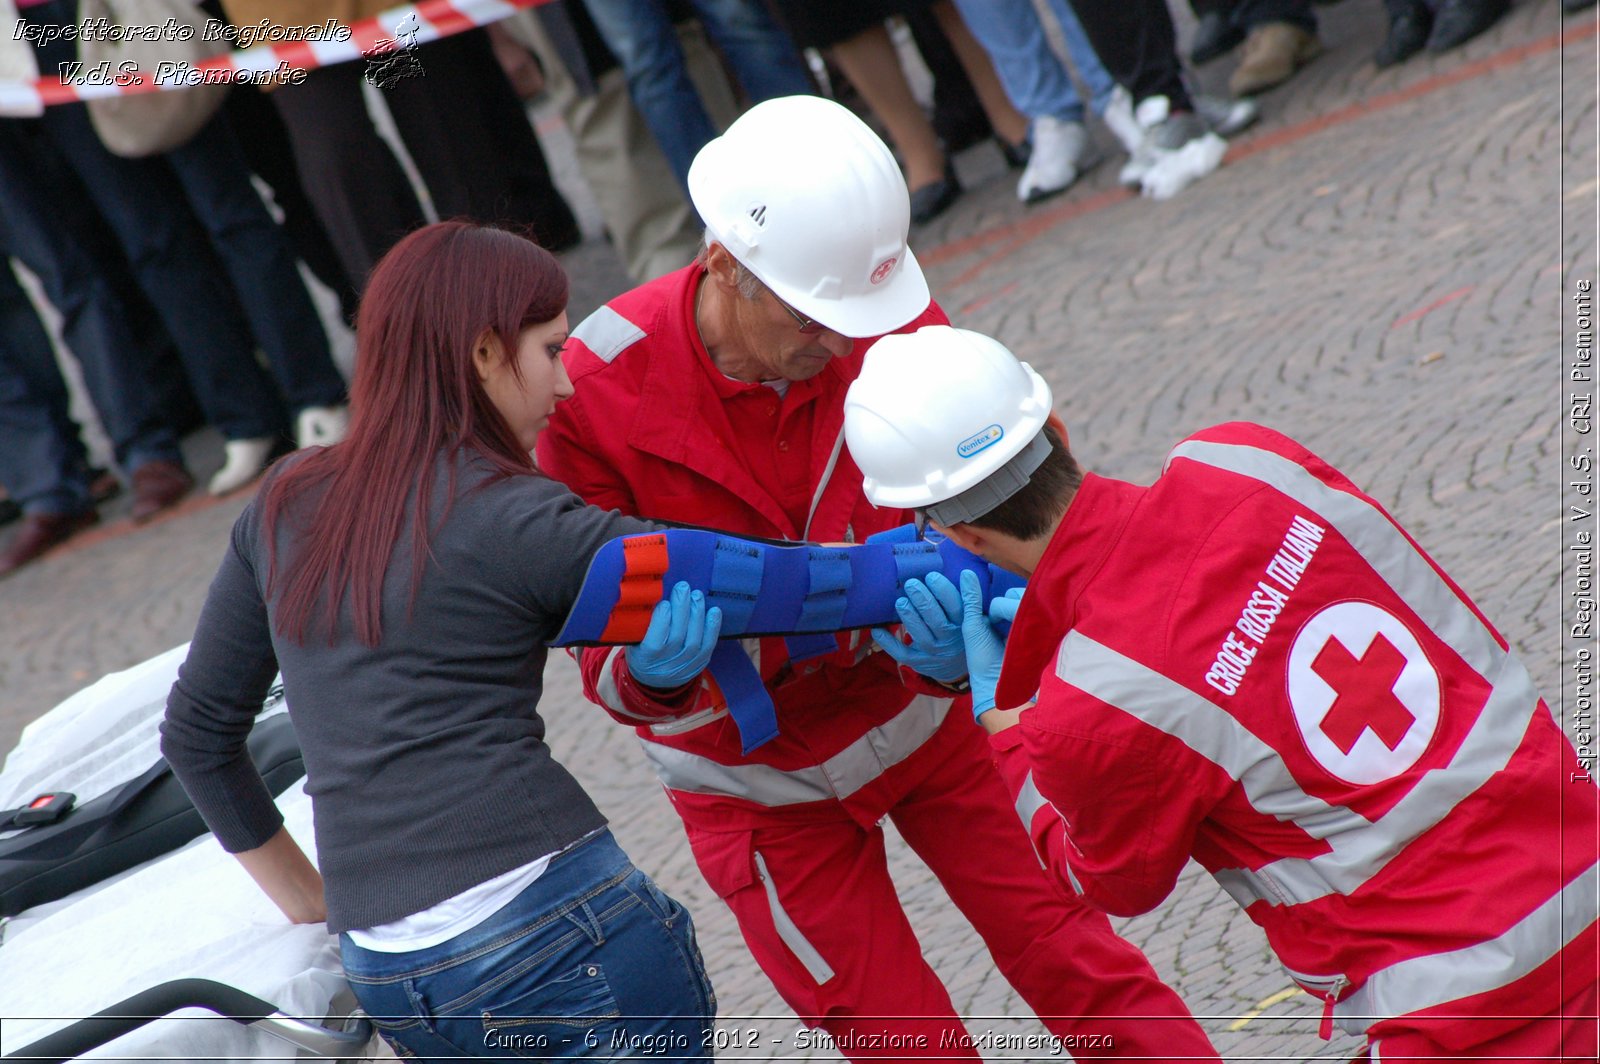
pixel 894 303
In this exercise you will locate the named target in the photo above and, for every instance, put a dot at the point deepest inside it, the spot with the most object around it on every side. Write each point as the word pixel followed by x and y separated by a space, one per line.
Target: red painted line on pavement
pixel 98 534
pixel 1015 235
pixel 1423 312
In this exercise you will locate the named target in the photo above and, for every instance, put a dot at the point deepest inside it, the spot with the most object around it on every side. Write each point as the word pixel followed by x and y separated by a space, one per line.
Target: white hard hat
pixel 946 421
pixel 810 200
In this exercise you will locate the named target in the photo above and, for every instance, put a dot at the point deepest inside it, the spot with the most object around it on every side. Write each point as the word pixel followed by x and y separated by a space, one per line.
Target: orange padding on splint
pixel 644 571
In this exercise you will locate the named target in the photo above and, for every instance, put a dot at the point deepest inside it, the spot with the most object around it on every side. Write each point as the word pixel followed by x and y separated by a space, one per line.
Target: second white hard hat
pixel 947 421
pixel 811 201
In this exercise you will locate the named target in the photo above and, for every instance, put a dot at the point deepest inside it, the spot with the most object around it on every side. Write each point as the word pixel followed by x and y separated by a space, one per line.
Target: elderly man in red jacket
pixel 714 396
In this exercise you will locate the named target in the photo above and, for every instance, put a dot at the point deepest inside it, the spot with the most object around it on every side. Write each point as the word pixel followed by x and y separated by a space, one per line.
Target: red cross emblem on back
pixel 1364 692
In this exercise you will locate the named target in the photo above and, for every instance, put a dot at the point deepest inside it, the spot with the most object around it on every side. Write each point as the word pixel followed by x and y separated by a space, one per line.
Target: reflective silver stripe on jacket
pixel 607 333
pixel 1426 982
pixel 815 963
pixel 1029 802
pixel 1360 849
pixel 846 772
pixel 822 484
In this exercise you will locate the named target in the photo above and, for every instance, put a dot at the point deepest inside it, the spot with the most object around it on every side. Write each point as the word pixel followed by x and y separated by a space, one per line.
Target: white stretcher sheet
pixel 193 913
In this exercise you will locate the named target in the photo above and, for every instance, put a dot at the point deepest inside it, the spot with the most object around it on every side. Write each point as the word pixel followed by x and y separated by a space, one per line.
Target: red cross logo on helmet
pixel 1364 694
pixel 884 269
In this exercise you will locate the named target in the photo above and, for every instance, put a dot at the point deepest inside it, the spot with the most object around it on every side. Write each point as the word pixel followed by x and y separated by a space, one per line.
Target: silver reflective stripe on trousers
pixel 816 965
pixel 607 333
pixel 1029 802
pixel 1360 849
pixel 840 776
pixel 1439 978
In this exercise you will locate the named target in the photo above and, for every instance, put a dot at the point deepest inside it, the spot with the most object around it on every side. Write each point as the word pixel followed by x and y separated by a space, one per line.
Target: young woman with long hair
pixel 405 581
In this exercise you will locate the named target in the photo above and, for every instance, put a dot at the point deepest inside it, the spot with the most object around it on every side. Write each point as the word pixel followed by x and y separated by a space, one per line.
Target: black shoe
pixel 1458 21
pixel 930 201
pixel 1573 6
pixel 1407 34
pixel 1214 38
pixel 1016 155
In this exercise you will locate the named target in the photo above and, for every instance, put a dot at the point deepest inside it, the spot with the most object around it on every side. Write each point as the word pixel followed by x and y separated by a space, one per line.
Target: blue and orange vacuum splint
pixel 803 592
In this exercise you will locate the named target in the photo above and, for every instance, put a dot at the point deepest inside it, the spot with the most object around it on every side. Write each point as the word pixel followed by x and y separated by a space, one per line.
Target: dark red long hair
pixel 416 394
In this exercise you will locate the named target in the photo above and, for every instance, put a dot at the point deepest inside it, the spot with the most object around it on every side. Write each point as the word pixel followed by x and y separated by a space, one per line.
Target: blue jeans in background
pixel 59 238
pixel 1030 71
pixel 591 960
pixel 640 34
pixel 43 466
pixel 218 298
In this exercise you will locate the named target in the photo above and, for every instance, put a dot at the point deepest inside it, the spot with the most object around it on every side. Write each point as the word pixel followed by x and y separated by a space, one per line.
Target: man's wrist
pixel 995 721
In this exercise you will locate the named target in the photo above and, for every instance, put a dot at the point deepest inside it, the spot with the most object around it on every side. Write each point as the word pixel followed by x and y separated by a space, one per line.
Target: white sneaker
pixel 320 426
pixel 243 461
pixel 1119 119
pixel 1176 150
pixel 1060 153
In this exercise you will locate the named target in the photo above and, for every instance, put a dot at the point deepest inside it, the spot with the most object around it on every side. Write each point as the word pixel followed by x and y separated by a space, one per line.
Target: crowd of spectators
pixel 176 278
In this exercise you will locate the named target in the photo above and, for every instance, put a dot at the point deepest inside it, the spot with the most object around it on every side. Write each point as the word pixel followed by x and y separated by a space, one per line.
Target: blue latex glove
pixel 1004 610
pixel 678 644
pixel 985 648
pixel 931 614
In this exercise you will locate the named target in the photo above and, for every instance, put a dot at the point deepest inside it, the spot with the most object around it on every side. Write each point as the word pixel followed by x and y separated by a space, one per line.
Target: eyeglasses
pixel 808 327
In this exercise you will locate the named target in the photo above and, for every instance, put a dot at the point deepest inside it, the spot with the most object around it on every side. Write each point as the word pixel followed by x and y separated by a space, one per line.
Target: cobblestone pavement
pixel 1380 271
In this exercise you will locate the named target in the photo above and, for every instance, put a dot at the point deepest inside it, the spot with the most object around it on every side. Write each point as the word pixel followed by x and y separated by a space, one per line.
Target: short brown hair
pixel 1033 510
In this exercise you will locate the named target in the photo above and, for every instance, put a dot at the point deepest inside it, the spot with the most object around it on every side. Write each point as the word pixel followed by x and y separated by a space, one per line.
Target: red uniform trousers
pixel 819 911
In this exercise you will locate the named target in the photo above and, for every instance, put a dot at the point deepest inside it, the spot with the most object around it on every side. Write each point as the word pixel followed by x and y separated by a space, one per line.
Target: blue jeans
pixel 42 461
pixel 1030 71
pixel 640 34
pixel 64 244
pixel 592 960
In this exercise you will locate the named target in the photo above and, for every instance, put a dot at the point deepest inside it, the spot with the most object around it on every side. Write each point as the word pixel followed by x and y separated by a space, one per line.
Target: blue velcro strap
pixel 801 647
pixel 829 577
pixel 735 581
pixel 748 701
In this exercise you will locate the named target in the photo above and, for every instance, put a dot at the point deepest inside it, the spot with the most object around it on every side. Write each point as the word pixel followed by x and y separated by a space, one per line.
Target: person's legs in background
pixel 640 34
pixel 1040 87
pixel 255 251
pixel 467 133
pixel 46 223
pixel 1280 38
pixel 147 209
pixel 352 178
pixel 1137 44
pixel 762 56
pixel 268 151
pixel 42 462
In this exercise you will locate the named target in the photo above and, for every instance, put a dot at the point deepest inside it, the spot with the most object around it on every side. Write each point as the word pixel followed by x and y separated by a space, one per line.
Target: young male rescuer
pixel 714 396
pixel 1249 663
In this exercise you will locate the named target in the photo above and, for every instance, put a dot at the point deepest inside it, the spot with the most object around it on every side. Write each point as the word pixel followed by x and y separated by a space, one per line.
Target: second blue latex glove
pixel 985 649
pixel 678 644
pixel 931 614
pixel 1003 610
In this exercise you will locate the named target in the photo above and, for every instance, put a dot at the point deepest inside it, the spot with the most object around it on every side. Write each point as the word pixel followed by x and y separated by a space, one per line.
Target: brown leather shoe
pixel 40 532
pixel 1272 53
pixel 156 486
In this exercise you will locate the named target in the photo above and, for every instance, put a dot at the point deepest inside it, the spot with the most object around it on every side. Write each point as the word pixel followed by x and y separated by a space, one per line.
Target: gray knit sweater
pixel 425 755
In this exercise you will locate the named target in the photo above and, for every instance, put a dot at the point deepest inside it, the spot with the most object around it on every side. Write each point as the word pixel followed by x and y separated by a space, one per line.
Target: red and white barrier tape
pixel 419 23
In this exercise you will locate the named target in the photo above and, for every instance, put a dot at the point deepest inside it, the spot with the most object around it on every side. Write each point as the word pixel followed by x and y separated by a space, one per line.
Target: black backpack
pixel 144 818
